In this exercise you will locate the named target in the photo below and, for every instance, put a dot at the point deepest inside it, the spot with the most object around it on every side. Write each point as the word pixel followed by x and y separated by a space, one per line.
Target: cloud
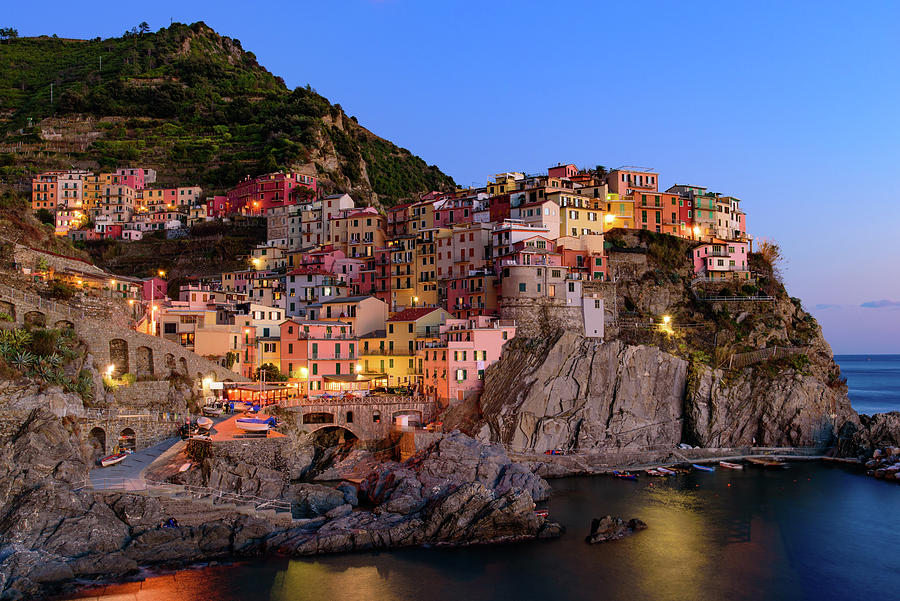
pixel 881 304
pixel 822 307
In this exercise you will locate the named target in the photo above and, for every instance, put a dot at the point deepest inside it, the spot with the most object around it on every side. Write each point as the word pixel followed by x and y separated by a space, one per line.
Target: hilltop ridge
pixel 192 104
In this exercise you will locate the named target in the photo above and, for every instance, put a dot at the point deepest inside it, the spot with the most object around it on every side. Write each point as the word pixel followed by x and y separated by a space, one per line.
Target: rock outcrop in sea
pixel 610 528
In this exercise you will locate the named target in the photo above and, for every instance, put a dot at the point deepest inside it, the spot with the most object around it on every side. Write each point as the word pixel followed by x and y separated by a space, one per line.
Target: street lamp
pixel 358 367
pixel 415 300
pixel 109 370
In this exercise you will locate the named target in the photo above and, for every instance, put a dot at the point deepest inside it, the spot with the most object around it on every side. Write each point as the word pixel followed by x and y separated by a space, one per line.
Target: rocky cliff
pixel 713 377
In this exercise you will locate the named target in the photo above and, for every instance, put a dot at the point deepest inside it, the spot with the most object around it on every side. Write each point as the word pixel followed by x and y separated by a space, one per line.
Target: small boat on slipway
pixel 666 471
pixel 213 410
pixel 731 466
pixel 255 424
pixel 703 468
pixel 204 423
pixel 773 464
pixel 624 475
pixel 113 459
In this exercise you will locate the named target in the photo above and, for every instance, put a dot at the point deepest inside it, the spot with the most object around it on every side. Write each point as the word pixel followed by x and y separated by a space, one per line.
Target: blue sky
pixel 791 107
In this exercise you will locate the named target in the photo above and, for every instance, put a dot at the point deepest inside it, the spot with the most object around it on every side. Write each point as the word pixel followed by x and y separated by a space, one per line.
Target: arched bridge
pixel 367 417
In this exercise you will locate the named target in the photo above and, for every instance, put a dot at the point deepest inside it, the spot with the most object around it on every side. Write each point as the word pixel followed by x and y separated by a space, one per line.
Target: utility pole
pixel 101 62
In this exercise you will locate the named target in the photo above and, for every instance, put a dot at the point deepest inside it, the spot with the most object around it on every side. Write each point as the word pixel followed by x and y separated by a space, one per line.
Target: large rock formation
pixel 583 395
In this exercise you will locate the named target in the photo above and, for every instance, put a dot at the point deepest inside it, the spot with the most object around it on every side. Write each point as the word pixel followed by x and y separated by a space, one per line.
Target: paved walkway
pixel 129 474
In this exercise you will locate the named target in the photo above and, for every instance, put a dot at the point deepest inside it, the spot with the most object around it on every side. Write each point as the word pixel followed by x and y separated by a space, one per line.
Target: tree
pixel 600 171
pixel 144 27
pixel 303 194
pixel 45 216
pixel 8 33
pixel 272 373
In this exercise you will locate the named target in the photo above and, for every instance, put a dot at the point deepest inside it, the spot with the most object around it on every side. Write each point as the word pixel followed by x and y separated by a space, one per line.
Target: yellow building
pixel 420 216
pixel 358 233
pixel 579 215
pixel 426 267
pixel 504 182
pixel 620 212
pixel 393 351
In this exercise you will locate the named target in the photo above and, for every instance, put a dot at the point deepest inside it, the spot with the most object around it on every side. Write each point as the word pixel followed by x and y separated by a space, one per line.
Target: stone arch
pixel 170 362
pixel 376 417
pixel 9 309
pixel 36 318
pixel 118 356
pixel 318 417
pixel 127 440
pixel 182 365
pixel 144 361
pixel 64 324
pixel 97 440
pixel 328 435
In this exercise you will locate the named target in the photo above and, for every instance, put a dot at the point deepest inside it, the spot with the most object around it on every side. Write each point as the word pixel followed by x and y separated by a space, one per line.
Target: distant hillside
pixel 193 105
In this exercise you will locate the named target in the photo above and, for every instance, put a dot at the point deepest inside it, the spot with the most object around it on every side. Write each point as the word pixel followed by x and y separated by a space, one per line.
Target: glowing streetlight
pixel 109 370
pixel 207 382
pixel 304 372
pixel 112 283
pixel 696 230
pixel 415 300
pixel 667 319
pixel 358 367
pixel 609 218
pixel 162 273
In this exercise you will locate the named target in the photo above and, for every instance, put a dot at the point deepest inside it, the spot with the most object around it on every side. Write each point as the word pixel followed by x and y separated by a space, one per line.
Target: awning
pixel 354 377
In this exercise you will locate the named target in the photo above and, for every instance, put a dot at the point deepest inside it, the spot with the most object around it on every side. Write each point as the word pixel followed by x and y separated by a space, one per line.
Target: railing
pixel 385 351
pixel 330 356
pixel 776 352
pixel 714 299
pixel 155 416
pixel 41 303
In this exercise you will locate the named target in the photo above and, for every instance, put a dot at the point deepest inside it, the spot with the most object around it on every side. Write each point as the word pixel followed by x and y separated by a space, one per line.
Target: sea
pixel 813 532
pixel 873 382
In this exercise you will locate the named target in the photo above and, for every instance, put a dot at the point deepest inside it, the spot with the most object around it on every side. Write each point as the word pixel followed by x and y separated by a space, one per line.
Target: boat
pixel 731 466
pixel 666 471
pixel 213 410
pixel 541 513
pixel 654 472
pixel 624 475
pixel 204 423
pixel 767 463
pixel 113 459
pixel 185 467
pixel 254 424
pixel 200 437
pixel 703 468
pixel 239 406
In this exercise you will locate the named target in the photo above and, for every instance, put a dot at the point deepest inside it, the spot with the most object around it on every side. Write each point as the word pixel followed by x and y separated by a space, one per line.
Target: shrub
pixel 60 290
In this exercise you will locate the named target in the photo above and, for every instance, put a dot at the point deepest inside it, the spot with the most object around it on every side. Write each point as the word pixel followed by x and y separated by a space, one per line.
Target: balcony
pixel 718 253
pixel 332 356
pixel 386 352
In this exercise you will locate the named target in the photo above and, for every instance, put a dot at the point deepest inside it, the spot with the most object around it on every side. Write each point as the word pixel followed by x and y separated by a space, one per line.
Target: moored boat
pixel 731 466
pixel 767 463
pixel 213 410
pixel 624 475
pixel 254 424
pixel 185 467
pixel 666 471
pixel 654 472
pixel 703 468
pixel 113 459
pixel 204 423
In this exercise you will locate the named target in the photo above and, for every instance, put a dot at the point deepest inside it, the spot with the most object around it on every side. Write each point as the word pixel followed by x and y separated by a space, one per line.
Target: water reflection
pixel 807 533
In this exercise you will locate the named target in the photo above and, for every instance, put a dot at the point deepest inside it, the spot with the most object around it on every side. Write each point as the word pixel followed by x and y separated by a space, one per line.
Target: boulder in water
pixel 610 528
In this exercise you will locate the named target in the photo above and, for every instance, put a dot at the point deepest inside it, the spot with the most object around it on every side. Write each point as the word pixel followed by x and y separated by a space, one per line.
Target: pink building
pixel 722 259
pixel 255 196
pixel 154 289
pixel 217 206
pixel 563 170
pixel 454 210
pixel 454 367
pixel 315 353
pixel 463 250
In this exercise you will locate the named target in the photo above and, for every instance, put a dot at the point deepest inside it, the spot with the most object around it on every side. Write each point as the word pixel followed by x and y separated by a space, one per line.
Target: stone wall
pixel 538 317
pixel 148 431
pixel 29 257
pixel 128 350
pixel 360 417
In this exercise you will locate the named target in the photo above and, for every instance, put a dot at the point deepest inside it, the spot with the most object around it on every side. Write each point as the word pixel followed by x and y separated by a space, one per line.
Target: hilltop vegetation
pixel 192 104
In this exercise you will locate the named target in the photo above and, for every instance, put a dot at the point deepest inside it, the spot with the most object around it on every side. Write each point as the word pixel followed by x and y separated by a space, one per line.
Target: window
pixel 460 375
pixel 170 328
pixel 315 368
pixel 521 289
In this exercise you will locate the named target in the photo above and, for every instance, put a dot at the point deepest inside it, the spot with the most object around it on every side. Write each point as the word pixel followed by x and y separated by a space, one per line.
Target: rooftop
pixel 412 313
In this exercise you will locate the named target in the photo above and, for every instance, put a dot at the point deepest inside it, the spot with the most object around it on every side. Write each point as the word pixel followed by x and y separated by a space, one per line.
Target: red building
pixel 217 206
pixel 254 196
pixel 499 207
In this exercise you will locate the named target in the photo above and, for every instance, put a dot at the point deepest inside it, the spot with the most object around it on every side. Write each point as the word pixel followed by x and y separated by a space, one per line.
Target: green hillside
pixel 193 105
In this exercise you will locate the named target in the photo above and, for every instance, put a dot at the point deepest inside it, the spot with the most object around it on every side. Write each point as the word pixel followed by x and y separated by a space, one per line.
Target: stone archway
pixel 329 436
pixel 64 324
pixel 182 364
pixel 8 309
pixel 170 363
pixel 97 441
pixel 319 417
pixel 127 440
pixel 36 319
pixel 144 360
pixel 118 356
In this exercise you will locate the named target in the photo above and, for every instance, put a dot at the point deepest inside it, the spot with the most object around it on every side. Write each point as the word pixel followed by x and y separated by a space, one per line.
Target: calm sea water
pixel 874 381
pixel 812 532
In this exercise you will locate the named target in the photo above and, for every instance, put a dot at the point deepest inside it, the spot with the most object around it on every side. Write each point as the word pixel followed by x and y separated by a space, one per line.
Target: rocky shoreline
pixel 455 492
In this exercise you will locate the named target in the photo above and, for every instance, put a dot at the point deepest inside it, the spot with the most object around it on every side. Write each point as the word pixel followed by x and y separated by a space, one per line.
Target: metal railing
pixel 155 416
pixel 739 360
pixel 41 303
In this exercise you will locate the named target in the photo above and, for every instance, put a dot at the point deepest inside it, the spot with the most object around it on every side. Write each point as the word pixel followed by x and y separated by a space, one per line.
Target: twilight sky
pixel 791 108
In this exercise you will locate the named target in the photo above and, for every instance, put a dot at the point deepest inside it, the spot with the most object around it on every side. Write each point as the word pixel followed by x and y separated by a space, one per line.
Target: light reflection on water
pixel 806 533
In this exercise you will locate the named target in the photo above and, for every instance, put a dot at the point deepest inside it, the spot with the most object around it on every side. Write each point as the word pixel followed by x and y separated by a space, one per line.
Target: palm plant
pixel 23 360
